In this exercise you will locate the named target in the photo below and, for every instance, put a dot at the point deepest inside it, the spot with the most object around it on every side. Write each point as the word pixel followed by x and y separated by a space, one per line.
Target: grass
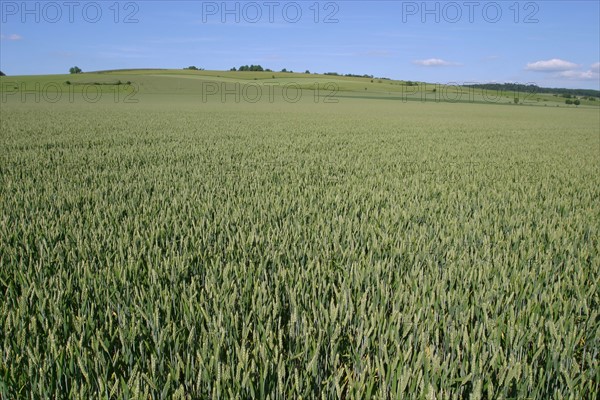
pixel 160 82
pixel 175 248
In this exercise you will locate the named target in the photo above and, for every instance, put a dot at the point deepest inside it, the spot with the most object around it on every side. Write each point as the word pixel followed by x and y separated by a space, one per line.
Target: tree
pixel 233 69
pixel 568 101
pixel 516 100
pixel 2 73
pixel 75 70
pixel 245 68
pixel 307 72
pixel 192 67
pixel 577 102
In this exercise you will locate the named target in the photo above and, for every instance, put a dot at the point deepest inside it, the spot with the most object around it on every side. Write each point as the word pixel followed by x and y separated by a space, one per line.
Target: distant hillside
pixel 217 85
pixel 516 87
pixel 106 71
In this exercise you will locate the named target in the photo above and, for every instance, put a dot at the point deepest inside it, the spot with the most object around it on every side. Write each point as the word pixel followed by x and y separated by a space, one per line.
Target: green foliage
pixel 154 251
pixel 256 68
pixel 75 70
pixel 534 89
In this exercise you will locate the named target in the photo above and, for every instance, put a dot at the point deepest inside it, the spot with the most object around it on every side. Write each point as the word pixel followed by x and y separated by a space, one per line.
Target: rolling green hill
pixel 236 86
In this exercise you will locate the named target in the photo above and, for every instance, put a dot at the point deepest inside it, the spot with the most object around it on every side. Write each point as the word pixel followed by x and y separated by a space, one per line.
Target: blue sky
pixel 549 43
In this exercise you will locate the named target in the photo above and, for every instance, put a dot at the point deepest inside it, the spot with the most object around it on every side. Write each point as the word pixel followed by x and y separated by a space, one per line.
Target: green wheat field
pixel 162 241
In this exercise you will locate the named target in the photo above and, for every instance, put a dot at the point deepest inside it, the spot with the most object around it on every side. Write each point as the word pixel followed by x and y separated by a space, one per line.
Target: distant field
pixel 349 245
pixel 225 85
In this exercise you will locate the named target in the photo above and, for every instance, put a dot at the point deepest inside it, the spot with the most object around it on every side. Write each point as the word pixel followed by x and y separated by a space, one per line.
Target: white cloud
pixel 566 70
pixel 553 65
pixel 579 75
pixel 433 62
pixel 12 37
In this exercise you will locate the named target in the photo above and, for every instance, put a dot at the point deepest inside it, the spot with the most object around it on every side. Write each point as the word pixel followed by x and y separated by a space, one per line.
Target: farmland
pixel 181 246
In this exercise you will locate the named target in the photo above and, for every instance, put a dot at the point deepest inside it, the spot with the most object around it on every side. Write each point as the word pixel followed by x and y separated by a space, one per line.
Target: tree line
pixel 519 87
